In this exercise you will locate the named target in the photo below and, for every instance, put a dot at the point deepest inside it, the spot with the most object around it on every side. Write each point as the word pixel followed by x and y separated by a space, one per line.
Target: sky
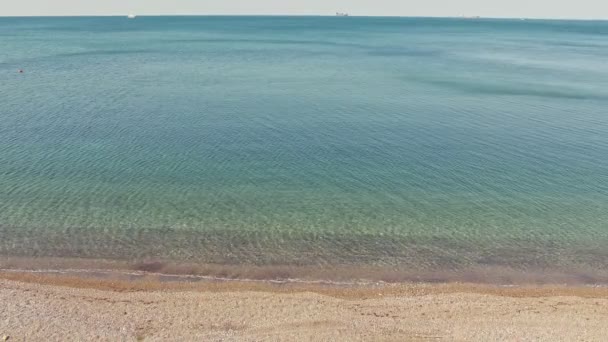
pixel 583 9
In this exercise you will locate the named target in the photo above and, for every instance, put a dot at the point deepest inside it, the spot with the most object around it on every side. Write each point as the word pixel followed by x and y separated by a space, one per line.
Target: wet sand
pixel 37 307
pixel 176 270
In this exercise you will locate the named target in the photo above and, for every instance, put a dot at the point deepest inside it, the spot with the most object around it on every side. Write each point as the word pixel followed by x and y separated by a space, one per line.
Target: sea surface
pixel 406 144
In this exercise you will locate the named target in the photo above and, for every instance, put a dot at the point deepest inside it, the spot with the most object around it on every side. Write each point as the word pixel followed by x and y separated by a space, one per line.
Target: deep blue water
pixel 419 144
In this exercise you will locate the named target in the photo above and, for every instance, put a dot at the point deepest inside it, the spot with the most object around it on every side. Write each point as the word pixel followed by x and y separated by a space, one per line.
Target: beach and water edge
pixel 148 306
pixel 76 299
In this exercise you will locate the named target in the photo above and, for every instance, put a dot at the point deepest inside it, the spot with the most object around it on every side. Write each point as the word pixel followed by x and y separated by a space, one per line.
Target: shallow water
pixel 418 144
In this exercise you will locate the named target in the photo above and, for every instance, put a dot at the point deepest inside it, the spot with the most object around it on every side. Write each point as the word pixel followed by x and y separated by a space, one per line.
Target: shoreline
pixel 62 307
pixel 346 275
pixel 156 276
pixel 138 305
pixel 150 282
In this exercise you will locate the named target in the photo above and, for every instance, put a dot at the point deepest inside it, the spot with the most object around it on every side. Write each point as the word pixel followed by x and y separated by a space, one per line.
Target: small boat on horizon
pixel 131 16
pixel 341 14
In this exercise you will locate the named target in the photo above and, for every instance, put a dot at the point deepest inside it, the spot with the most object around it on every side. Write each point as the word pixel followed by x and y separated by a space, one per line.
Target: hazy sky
pixel 496 8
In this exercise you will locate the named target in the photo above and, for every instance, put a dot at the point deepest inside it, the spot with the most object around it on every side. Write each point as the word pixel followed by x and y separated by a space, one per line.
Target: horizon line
pixel 297 15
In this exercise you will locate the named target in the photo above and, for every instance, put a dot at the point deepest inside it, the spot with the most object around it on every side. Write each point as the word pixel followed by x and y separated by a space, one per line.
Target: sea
pixel 406 148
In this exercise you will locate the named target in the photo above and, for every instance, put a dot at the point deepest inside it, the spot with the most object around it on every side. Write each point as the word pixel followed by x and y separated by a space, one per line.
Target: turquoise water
pixel 418 144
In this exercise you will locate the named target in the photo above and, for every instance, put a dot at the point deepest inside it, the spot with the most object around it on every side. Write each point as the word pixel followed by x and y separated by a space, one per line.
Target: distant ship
pixel 131 16
pixel 340 14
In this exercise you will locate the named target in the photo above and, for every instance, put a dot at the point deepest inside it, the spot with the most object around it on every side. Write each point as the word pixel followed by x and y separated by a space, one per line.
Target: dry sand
pixel 51 308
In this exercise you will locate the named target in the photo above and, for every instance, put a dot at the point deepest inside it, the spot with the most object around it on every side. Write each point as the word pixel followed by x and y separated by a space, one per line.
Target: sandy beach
pixel 63 308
